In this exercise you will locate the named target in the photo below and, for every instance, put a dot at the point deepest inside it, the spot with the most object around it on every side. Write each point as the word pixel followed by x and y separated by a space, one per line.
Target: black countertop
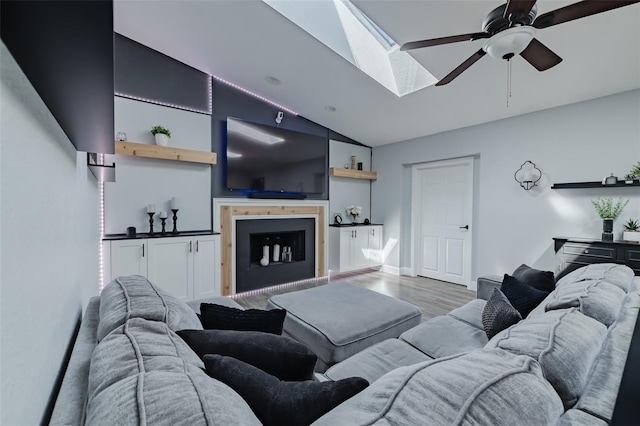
pixel 346 225
pixel 594 241
pixel 112 237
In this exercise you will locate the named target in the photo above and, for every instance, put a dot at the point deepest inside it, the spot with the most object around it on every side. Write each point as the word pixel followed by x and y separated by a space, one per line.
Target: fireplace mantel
pixel 228 210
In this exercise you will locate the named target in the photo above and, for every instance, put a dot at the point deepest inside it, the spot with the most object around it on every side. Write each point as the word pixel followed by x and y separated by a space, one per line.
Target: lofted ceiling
pixel 245 42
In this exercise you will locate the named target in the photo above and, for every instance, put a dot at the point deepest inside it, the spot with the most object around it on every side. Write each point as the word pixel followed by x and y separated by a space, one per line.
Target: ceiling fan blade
pixel 460 69
pixel 579 10
pixel 443 40
pixel 518 8
pixel 540 56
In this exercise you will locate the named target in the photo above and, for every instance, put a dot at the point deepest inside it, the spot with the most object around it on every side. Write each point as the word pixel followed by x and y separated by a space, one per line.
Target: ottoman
pixel 339 320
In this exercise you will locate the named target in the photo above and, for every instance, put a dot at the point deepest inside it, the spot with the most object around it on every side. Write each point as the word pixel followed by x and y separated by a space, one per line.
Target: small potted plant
pixel 629 178
pixel 161 134
pixel 631 231
pixel 354 212
pixel 608 212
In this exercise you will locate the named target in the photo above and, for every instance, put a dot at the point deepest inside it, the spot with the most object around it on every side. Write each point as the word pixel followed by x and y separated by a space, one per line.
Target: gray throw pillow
pixel 277 402
pixel 498 314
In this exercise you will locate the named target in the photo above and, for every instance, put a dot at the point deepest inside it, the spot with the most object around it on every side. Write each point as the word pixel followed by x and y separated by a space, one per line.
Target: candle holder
pixel 175 221
pixel 163 220
pixel 151 222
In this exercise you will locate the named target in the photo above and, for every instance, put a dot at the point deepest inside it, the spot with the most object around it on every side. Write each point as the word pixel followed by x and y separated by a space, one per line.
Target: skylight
pixel 342 27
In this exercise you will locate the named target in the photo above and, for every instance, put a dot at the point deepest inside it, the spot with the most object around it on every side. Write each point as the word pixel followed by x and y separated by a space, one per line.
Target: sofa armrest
pixel 486 284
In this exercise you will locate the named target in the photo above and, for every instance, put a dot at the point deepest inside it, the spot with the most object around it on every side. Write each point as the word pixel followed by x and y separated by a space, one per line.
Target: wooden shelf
pixel 351 173
pixel 165 152
pixel 578 185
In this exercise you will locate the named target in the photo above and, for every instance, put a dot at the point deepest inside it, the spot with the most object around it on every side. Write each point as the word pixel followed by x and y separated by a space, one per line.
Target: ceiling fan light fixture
pixel 510 42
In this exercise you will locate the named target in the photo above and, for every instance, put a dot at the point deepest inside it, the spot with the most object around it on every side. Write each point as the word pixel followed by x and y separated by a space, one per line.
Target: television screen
pixel 264 158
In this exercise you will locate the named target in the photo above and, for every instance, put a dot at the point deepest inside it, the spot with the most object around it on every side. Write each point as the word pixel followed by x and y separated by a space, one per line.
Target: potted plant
pixel 608 212
pixel 635 170
pixel 354 212
pixel 161 134
pixel 629 178
pixel 631 230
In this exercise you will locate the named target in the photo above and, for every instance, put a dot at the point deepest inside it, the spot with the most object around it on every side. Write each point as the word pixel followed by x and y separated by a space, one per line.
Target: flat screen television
pixel 263 159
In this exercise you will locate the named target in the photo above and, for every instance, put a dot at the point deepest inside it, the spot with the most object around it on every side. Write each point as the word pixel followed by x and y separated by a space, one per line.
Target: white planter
pixel 631 236
pixel 162 139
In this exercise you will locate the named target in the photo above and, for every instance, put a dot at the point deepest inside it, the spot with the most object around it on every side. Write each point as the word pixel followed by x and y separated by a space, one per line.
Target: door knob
pixel 464 227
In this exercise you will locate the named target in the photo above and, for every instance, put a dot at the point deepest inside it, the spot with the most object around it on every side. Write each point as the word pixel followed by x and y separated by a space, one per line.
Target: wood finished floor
pixel 432 297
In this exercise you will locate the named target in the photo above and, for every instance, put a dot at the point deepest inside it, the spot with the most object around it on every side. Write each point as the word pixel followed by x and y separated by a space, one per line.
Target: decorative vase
pixel 607 230
pixel 354 219
pixel 162 139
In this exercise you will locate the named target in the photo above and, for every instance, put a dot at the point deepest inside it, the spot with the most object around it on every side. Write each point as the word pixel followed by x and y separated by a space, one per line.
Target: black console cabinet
pixel 573 253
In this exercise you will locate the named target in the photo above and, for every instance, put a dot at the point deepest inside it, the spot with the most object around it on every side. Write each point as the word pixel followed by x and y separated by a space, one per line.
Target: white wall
pixel 344 192
pixel 574 143
pixel 49 247
pixel 143 181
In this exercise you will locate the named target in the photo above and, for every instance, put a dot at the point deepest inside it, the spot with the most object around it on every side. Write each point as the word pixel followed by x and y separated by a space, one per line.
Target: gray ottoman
pixel 339 320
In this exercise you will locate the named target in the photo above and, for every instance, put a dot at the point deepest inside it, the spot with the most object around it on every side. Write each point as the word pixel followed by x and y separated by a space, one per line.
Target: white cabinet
pixel 188 268
pixel 354 247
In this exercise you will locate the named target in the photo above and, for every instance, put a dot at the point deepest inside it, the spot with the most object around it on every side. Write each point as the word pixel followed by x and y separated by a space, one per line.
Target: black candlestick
pixel 175 220
pixel 163 220
pixel 151 222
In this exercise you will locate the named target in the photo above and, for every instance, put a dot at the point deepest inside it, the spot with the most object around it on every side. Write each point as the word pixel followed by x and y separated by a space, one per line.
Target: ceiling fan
pixel 511 30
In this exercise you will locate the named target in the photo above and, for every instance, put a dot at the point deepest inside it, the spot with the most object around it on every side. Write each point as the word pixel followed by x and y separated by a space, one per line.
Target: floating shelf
pixel 351 173
pixel 578 185
pixel 165 152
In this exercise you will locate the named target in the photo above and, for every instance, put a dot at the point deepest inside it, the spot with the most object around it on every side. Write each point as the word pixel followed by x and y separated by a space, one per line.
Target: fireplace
pixel 274 251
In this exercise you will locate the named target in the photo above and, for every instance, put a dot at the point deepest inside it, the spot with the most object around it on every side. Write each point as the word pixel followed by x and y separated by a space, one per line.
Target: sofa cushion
pixel 143 373
pixel 618 275
pixel 508 389
pixel 279 356
pixel 221 317
pixel 278 402
pixel 377 360
pixel 522 296
pixel 135 297
pixel 565 344
pixel 443 336
pixel 599 300
pixel 470 312
pixel 498 314
pixel 542 280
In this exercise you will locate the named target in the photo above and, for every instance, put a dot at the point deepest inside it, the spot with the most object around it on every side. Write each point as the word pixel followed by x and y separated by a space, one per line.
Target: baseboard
pixel 390 269
pixel 407 272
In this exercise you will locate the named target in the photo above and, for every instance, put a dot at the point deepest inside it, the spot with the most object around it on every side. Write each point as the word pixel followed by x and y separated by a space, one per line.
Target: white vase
pixel 162 139
pixel 631 236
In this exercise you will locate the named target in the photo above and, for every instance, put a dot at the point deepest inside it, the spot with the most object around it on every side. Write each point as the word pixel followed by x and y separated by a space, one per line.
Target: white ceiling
pixel 244 41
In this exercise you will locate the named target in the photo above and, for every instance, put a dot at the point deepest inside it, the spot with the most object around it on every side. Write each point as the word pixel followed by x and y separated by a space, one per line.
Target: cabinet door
pixel 128 257
pixel 360 248
pixel 206 267
pixel 171 265
pixel 375 246
pixel 346 243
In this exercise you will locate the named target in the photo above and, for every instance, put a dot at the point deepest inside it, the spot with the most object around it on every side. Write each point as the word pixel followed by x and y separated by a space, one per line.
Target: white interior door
pixel 442 214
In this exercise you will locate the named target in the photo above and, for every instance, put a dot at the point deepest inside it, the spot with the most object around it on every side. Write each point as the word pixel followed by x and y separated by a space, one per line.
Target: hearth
pixel 261 258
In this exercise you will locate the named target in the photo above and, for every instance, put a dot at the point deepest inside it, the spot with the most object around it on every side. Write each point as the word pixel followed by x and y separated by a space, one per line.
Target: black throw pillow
pixel 522 296
pixel 218 317
pixel 542 280
pixel 279 356
pixel 498 314
pixel 275 402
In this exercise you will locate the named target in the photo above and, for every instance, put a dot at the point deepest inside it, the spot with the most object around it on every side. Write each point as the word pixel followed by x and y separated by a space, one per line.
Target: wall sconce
pixel 527 175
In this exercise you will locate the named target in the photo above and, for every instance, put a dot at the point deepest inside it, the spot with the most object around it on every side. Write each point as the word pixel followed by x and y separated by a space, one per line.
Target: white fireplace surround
pixel 248 209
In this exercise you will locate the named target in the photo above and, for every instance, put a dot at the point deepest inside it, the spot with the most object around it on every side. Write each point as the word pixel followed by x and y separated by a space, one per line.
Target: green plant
pixel 632 225
pixel 607 209
pixel 635 170
pixel 159 129
pixel 629 176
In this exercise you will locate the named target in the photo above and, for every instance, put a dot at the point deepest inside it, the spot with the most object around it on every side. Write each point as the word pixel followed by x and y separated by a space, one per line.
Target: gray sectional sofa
pixel 562 364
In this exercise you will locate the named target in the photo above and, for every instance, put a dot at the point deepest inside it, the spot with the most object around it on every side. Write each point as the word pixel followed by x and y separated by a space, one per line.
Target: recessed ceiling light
pixel 330 108
pixel 273 80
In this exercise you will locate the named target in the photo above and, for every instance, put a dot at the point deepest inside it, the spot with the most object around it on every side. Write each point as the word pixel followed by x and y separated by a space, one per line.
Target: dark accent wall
pixel 149 74
pixel 65 48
